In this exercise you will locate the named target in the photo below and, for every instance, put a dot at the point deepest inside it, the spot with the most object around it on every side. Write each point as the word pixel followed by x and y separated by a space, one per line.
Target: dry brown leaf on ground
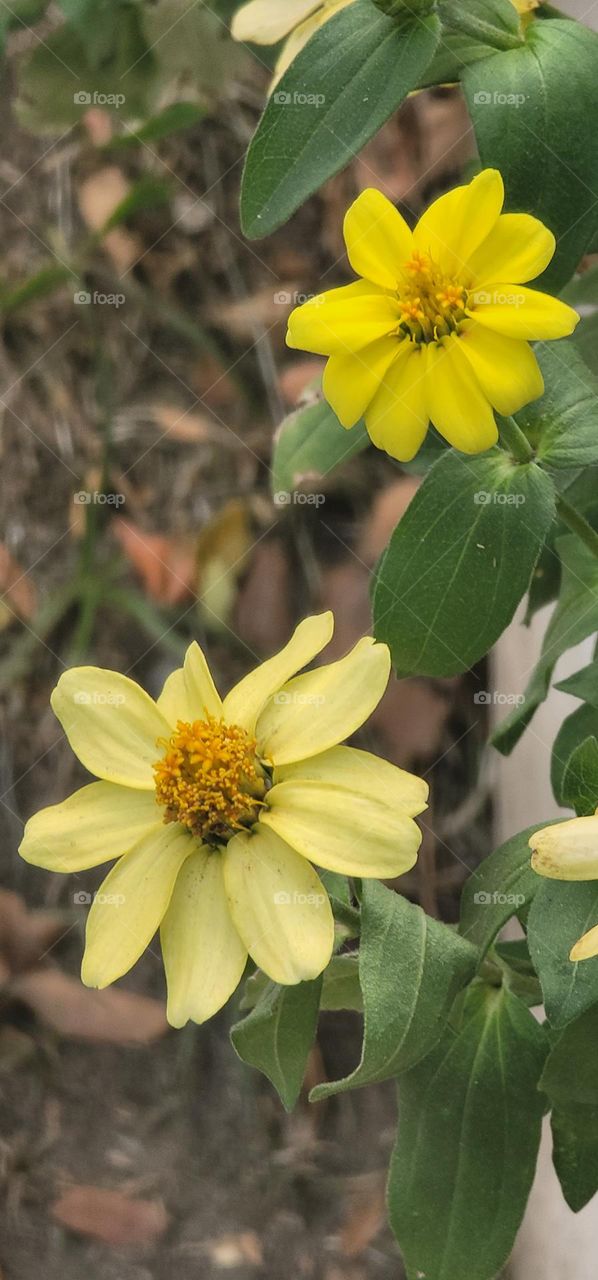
pixel 263 614
pixel 189 427
pixel 18 596
pixel 365 1212
pixel 111 1216
pixel 26 936
pixel 297 378
pixel 236 1250
pixel 99 196
pixel 268 308
pixel 69 1008
pixel 164 563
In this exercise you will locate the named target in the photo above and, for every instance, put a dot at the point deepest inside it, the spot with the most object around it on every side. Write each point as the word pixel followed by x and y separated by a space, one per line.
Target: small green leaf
pixel 570 1080
pixel 533 110
pixel 309 444
pixel 575 1152
pixel 351 76
pixel 460 561
pixel 560 913
pixel 564 420
pixel 493 24
pixel 500 888
pixel 341 989
pixel 277 1035
pixel 178 116
pixel 570 1073
pixel 147 193
pixel 575 729
pixel 469 1130
pixel 410 968
pixel 41 285
pixel 586 341
pixel 580 783
pixel 583 684
pixel 575 617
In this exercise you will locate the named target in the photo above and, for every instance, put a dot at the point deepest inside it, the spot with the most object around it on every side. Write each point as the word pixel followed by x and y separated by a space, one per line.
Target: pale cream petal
pixel 190 693
pixel 97 823
pixel 378 239
pixel 244 703
pixel 299 37
pixel 173 701
pixel 131 904
pixel 586 947
pixel 361 773
pixel 268 21
pixel 567 850
pixel 204 957
pixel 356 834
pixel 323 707
pixel 111 723
pixel 279 906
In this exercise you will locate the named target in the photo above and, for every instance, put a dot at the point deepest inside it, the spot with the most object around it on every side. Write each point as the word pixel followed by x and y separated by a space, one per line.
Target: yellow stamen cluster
pixel 432 305
pixel 210 779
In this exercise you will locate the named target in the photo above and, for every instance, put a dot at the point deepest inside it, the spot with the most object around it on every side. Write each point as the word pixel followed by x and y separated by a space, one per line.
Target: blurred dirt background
pixel 128 1150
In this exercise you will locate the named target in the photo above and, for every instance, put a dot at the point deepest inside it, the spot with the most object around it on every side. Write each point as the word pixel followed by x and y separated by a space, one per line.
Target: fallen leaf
pixel 18 596
pixel 263 615
pixel 98 197
pixel 112 1016
pixel 235 1250
pixel 164 563
pixel 188 427
pixel 26 936
pixel 110 1216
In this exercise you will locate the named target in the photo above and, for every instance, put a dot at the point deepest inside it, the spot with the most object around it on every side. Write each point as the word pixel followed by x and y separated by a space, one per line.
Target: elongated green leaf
pixel 309 444
pixel 533 111
pixel 469 1130
pixel 460 560
pixel 575 1152
pixel 179 115
pixel 570 1074
pixel 277 1035
pixel 493 24
pixel 564 421
pixel 583 684
pixel 571 1082
pixel 580 782
pixel 338 92
pixel 500 888
pixel 575 617
pixel 575 729
pixel 410 970
pixel 560 913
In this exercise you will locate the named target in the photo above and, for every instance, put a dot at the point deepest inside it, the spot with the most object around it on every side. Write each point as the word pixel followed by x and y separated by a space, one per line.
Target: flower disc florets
pixel 210 779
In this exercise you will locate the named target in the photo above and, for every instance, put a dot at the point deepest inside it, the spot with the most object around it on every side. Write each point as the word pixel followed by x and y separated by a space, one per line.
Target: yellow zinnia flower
pixel 438 327
pixel 216 810
pixel 268 21
pixel 569 851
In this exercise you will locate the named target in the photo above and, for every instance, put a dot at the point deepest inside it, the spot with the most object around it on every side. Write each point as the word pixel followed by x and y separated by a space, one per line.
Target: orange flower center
pixel 210 779
pixel 432 304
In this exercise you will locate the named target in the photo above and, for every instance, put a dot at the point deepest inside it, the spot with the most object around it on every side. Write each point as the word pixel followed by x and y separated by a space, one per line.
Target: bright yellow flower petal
pixel 351 380
pixel 356 834
pixel 567 850
pixel 268 21
pixel 378 239
pixel 506 368
pixel 323 707
pixel 244 703
pixel 457 223
pixel 361 772
pixel 456 403
pixel 523 313
pixel 131 904
pixel 111 724
pixel 586 947
pixel 518 248
pixel 279 907
pixel 97 823
pixel 204 957
pixel 397 419
pixel 344 319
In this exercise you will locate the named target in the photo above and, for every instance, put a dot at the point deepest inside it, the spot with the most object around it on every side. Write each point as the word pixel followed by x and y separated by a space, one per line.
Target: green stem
pixel 516 441
pixel 456 19
pixel 578 525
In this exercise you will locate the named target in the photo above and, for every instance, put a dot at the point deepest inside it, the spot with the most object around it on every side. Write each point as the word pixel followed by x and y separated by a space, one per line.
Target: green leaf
pixel 277 1035
pixel 355 71
pixel 580 783
pixel 460 560
pixel 583 684
pixel 309 444
pixel 575 729
pixel 570 1080
pixel 533 111
pixel 498 889
pixel 575 1152
pixel 469 1130
pixel 583 289
pixel 560 913
pixel 586 341
pixel 178 116
pixel 546 580
pixel 147 193
pixel 493 24
pixel 570 1074
pixel 564 421
pixel 41 285
pixel 575 617
pixel 410 968
pixel 341 989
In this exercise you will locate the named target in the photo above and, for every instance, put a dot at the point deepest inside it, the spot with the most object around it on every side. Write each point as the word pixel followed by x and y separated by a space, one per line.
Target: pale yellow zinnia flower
pixel 438 327
pixel 569 851
pixel 217 809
